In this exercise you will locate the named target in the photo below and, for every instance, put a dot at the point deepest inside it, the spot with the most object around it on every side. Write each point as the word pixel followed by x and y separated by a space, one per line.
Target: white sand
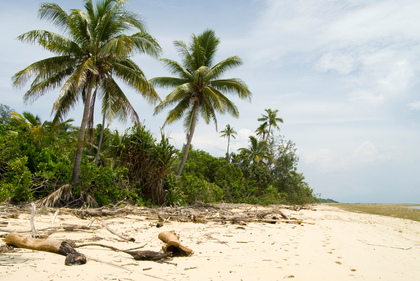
pixel 338 245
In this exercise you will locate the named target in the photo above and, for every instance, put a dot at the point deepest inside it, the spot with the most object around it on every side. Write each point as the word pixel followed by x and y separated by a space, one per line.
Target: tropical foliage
pixel 137 167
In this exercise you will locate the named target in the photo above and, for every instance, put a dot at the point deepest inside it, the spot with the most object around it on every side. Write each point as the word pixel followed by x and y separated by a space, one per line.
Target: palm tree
pixel 262 130
pixel 198 87
pixel 227 133
pixel 272 119
pixel 95 51
pixel 257 152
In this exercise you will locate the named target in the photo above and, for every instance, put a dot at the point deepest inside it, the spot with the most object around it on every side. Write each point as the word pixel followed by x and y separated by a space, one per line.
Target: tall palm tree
pixel 227 133
pixel 272 119
pixel 198 87
pixel 95 51
pixel 257 152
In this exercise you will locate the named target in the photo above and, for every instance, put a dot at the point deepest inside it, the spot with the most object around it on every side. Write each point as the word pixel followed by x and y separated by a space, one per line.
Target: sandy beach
pixel 328 244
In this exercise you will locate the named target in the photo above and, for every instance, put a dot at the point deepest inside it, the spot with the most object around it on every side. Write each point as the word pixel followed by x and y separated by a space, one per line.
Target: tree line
pixel 135 166
pixel 93 51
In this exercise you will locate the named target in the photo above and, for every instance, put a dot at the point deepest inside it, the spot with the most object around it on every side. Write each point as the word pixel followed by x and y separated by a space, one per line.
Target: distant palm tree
pixel 272 119
pixel 95 51
pixel 257 152
pixel 227 133
pixel 262 130
pixel 198 87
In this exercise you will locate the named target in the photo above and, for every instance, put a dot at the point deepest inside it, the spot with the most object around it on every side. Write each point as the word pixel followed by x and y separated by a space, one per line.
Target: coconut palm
pixel 199 91
pixel 272 120
pixel 262 130
pixel 95 51
pixel 228 132
pixel 257 152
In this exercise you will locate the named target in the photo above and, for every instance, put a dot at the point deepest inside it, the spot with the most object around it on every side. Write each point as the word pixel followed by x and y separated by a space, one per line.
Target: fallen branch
pixel 47 245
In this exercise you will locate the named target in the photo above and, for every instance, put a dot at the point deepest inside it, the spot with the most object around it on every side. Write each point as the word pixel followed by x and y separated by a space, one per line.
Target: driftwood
pixel 47 245
pixel 172 244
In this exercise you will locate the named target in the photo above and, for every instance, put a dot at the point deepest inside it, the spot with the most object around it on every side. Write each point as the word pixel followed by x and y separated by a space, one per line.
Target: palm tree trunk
pixel 81 137
pixel 100 140
pixel 189 139
pixel 227 153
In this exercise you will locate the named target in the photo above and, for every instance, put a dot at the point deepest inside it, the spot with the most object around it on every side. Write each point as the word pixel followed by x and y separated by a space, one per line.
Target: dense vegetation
pixel 36 159
pixel 39 159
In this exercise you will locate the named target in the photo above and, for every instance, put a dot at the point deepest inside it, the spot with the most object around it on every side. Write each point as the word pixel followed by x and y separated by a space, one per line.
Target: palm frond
pixel 53 12
pixel 233 85
pixel 55 198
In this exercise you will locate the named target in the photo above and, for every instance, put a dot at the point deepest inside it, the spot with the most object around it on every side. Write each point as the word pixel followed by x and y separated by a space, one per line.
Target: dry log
pixel 173 245
pixel 47 245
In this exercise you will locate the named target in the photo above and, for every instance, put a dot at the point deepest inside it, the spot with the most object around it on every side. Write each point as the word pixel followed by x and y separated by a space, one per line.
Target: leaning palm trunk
pixel 81 137
pixel 189 139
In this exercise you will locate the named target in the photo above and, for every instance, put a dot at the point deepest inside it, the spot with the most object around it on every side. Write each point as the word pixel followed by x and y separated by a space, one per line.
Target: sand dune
pixel 329 244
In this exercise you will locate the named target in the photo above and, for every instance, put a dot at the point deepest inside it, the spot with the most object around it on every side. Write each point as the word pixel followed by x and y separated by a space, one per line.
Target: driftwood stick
pixel 55 215
pixel 91 222
pixel 137 255
pixel 131 239
pixel 100 245
pixel 32 221
pixel 67 227
pixel 386 246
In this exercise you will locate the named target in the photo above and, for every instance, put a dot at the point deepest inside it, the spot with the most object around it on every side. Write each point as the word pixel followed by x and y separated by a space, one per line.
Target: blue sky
pixel 344 76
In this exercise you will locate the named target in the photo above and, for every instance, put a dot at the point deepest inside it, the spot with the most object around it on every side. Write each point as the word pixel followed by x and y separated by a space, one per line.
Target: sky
pixel 343 74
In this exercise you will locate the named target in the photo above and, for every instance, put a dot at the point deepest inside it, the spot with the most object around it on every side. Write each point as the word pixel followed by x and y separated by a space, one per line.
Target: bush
pixel 16 185
pixel 197 189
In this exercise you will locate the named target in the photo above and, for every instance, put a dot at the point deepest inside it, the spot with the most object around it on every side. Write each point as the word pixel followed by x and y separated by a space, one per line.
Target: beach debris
pixel 47 245
pixel 172 244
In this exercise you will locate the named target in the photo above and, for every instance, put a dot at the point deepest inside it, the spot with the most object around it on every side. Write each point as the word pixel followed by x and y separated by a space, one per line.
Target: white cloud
pixel 415 105
pixel 366 153
pixel 342 63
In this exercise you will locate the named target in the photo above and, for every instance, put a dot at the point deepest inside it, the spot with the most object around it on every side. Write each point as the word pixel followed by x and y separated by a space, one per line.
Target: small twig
pixel 131 239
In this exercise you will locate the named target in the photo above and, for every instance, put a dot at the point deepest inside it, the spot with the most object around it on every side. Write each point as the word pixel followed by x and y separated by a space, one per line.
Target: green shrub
pixel 199 190
pixel 17 181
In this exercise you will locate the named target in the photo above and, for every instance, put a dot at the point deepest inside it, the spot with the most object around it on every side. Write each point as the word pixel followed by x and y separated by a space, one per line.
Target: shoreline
pixel 328 244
